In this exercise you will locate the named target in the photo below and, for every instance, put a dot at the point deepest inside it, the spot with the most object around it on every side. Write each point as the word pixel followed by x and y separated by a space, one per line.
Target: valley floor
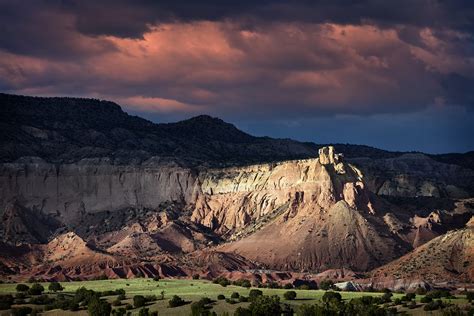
pixel 193 290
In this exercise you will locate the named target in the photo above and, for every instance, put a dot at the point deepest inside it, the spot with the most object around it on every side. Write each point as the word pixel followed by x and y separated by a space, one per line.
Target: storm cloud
pixel 271 60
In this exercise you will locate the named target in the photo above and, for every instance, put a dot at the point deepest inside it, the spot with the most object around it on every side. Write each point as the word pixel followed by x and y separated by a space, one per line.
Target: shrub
pixel 234 295
pixel 241 311
pixel 434 305
pixel 288 286
pixel 230 301
pixel 243 299
pixel 98 307
pixel 303 287
pixel 200 307
pixel 195 276
pixel 41 300
pixel 266 305
pixel 412 305
pixel 21 311
pixel 254 293
pixel 470 296
pixel 6 301
pixel 154 313
pixel 330 295
pixel 220 297
pixel 326 285
pixel 139 301
pixel 386 297
pixel 176 301
pixel 222 281
pixel 243 283
pixel 22 288
pixel 55 287
pixel 121 297
pixel 426 299
pixel 410 296
pixel 156 278
pixel 119 311
pixel 128 307
pixel 143 312
pixel 36 289
pixel 289 295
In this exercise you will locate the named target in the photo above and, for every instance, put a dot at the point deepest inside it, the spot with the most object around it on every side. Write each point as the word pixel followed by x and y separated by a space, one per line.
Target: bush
pixel 426 299
pixel 230 301
pixel 265 305
pixel 434 305
pixel 288 286
pixel 195 276
pixel 6 301
pixel 410 296
pixel 156 278
pixel 243 283
pixel 128 307
pixel 330 295
pixel 176 301
pixel 241 311
pixel 139 301
pixel 243 299
pixel 254 293
pixel 21 311
pixel 55 287
pixel 420 291
pixel 412 305
pixel 220 297
pixel 36 289
pixel 304 287
pixel 143 312
pixel 386 297
pixel 22 288
pixel 41 300
pixel 222 281
pixel 234 295
pixel 326 285
pixel 98 307
pixel 200 307
pixel 289 295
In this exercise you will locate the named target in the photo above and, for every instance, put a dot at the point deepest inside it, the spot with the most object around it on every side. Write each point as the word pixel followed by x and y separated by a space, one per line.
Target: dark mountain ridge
pixel 65 130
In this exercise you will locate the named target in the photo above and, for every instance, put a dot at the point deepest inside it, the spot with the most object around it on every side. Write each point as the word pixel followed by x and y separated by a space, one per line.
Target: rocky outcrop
pixel 230 199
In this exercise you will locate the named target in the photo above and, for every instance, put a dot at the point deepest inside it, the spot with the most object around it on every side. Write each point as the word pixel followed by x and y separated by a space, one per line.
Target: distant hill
pixel 60 129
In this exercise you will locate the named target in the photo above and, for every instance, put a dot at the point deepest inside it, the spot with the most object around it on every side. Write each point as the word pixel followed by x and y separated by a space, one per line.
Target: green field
pixel 192 290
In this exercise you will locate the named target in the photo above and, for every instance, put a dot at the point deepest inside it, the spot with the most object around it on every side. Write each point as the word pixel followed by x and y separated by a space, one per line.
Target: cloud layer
pixel 241 59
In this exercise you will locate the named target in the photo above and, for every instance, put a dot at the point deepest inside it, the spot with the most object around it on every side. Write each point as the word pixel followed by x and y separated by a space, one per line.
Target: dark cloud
pixel 243 59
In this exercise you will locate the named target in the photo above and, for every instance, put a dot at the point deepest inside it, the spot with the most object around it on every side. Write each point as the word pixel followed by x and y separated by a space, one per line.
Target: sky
pixel 397 75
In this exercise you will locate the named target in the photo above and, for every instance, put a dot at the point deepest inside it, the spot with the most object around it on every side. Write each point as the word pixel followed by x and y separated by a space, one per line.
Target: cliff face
pixel 232 198
pixel 71 190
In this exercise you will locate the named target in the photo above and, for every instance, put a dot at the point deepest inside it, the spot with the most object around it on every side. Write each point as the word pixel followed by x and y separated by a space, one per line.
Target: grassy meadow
pixel 193 290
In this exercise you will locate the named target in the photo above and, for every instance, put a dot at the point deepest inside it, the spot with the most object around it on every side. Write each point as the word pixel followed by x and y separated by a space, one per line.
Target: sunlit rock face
pixel 232 198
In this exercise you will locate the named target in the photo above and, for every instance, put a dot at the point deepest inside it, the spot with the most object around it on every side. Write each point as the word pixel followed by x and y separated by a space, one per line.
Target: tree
pixel 139 301
pixel 234 295
pixel 330 295
pixel 55 287
pixel 36 289
pixel 254 293
pixel 143 312
pixel 241 311
pixel 220 297
pixel 326 285
pixel 176 301
pixel 289 295
pixel 265 306
pixel 22 288
pixel 98 307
